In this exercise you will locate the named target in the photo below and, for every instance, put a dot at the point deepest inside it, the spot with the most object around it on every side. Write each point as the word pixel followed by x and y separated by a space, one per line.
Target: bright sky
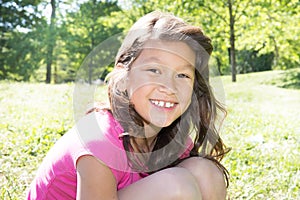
pixel 46 11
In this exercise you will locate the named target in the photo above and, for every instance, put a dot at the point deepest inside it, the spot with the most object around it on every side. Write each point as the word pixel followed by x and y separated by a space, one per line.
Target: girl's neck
pixel 151 133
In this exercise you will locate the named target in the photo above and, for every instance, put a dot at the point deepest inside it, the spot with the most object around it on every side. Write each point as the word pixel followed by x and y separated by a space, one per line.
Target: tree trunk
pixel 3 72
pixel 91 64
pixel 276 59
pixel 232 42
pixel 50 42
pixel 219 64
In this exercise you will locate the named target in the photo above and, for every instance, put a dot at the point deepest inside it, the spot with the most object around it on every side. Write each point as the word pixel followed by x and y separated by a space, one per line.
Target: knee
pixel 209 177
pixel 180 184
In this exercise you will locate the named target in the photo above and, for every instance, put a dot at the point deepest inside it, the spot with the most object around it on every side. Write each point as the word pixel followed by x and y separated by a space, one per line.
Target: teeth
pixel 163 104
pixel 169 105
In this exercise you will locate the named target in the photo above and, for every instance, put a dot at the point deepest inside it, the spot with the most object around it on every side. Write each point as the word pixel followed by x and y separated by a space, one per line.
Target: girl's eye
pixel 183 76
pixel 156 71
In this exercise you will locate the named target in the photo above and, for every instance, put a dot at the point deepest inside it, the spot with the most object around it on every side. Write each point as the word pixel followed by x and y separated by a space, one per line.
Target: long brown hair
pixel 199 119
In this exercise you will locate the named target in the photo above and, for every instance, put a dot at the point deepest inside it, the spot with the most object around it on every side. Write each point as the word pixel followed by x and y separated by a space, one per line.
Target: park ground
pixel 262 128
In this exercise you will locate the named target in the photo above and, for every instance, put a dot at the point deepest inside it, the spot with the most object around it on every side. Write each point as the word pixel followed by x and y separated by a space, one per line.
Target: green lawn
pixel 262 127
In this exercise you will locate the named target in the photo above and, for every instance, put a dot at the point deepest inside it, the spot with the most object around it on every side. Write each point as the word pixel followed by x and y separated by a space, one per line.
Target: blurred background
pixel 47 40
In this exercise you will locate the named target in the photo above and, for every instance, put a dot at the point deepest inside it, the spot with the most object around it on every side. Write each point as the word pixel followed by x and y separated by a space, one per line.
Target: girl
pixel 141 147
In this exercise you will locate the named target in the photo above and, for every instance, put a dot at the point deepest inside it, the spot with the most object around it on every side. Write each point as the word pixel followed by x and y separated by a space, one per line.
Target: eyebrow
pixel 156 60
pixel 151 59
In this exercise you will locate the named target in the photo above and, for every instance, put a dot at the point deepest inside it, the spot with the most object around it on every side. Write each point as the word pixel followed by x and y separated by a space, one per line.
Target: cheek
pixel 185 90
pixel 185 93
pixel 135 84
pixel 139 94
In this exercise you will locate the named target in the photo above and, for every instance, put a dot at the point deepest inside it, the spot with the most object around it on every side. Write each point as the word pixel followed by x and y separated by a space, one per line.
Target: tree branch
pixel 241 13
pixel 216 13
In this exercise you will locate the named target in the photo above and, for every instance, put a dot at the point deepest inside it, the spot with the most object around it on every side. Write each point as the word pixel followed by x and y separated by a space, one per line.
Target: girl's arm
pixel 94 180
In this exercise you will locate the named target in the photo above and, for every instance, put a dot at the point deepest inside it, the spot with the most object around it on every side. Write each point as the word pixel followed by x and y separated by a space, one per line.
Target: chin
pixel 161 124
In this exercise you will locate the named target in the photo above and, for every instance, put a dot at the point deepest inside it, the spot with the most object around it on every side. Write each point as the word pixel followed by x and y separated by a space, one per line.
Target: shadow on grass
pixel 290 79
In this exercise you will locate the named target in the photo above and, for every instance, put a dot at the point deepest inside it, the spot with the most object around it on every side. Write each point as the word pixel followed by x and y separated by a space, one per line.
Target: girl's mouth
pixel 163 104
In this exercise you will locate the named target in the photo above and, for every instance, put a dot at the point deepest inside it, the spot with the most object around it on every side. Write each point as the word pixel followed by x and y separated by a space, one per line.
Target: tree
pixel 17 20
pixel 51 40
pixel 278 23
pixel 31 46
pixel 236 9
pixel 232 41
pixel 84 29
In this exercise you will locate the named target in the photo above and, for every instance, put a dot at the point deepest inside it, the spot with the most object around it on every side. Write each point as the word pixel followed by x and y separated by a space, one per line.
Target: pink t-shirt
pixel 96 134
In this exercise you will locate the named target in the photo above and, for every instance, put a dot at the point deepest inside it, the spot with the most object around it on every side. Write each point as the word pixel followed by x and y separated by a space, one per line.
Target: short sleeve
pixel 98 133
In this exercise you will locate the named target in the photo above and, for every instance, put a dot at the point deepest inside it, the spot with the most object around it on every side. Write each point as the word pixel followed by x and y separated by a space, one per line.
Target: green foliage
pixel 83 30
pixel 252 61
pixel 25 55
pixel 274 24
pixel 18 56
pixel 262 128
pixel 80 29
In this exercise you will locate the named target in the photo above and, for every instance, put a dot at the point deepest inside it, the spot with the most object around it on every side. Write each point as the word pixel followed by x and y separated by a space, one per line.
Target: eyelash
pixel 157 71
pixel 183 76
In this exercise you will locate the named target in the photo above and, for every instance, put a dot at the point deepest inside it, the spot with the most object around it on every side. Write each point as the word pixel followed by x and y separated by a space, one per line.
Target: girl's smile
pixel 160 81
pixel 163 104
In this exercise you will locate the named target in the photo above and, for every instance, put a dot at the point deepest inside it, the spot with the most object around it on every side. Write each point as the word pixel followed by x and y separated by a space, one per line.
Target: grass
pixel 32 118
pixel 262 128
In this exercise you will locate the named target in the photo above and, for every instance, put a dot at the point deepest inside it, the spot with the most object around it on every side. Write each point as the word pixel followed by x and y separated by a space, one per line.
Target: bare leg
pixel 173 183
pixel 210 179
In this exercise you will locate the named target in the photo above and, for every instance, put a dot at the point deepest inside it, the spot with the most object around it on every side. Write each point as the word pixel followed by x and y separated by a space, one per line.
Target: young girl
pixel 157 139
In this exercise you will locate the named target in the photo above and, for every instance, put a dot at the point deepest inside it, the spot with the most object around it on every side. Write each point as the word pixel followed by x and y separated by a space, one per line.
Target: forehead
pixel 170 51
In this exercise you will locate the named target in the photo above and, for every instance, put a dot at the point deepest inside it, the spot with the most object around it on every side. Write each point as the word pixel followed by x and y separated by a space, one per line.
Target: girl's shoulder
pixel 99 133
pixel 98 124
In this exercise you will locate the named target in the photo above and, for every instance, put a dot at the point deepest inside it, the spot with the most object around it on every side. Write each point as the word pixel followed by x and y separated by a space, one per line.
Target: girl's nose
pixel 167 86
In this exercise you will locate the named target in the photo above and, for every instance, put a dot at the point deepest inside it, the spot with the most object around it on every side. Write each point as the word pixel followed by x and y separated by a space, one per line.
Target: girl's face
pixel 160 81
